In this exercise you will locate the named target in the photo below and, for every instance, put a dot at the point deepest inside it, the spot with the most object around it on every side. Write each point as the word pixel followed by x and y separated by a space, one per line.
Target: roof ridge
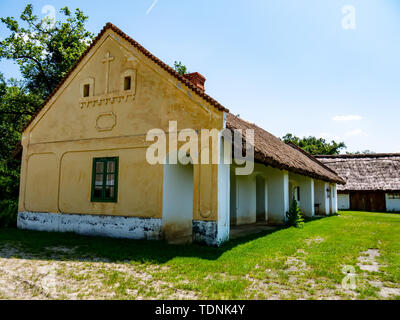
pixel 369 155
pixel 147 53
pixel 310 156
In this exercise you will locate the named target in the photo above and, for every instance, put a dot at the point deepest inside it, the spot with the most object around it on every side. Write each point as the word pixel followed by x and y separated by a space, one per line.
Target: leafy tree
pixel 314 145
pixel 294 217
pixel 45 51
pixel 180 68
pixel 16 107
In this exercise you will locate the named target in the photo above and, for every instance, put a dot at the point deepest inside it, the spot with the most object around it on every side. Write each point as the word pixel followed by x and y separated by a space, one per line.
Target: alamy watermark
pixel 349 281
pixel 205 146
pixel 50 15
pixel 349 17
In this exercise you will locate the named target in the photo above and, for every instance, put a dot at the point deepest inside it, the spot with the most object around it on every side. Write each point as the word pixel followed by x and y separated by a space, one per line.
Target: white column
pixel 223 197
pixel 307 196
pixel 278 196
pixel 327 200
pixel 334 199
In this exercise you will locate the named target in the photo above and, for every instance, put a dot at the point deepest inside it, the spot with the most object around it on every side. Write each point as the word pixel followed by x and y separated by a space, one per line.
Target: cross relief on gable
pixel 125 91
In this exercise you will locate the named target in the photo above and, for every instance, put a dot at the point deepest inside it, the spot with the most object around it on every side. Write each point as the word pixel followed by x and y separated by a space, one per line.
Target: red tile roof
pixel 148 54
pixel 269 149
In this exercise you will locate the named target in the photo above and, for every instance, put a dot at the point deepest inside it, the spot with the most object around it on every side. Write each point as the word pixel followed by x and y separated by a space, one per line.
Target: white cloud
pixel 329 136
pixel 349 117
pixel 355 132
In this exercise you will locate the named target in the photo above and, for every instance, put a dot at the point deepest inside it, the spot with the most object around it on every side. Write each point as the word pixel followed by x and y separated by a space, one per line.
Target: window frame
pixel 86 94
pixel 90 83
pixel 129 78
pixel 105 162
pixel 132 74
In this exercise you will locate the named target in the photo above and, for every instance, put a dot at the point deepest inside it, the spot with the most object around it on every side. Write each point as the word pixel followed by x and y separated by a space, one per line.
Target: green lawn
pixel 285 264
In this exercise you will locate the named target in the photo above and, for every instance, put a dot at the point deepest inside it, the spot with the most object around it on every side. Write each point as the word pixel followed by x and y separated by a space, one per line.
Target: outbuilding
pixel 372 181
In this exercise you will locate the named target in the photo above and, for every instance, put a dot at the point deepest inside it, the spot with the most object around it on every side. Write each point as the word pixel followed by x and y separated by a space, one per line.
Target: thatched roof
pixel 369 172
pixel 271 151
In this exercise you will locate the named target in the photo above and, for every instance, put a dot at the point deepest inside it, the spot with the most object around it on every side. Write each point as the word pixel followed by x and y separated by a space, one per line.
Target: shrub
pixel 8 213
pixel 294 217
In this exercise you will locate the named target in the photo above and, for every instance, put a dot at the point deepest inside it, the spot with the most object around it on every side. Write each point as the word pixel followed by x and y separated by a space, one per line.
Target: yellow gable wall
pixel 60 144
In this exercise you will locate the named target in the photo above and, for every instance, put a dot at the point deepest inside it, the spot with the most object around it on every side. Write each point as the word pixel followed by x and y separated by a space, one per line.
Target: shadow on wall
pixel 90 249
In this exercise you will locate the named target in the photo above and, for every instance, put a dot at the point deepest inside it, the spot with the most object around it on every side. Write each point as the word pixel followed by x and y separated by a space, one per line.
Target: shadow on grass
pixel 316 218
pixel 40 245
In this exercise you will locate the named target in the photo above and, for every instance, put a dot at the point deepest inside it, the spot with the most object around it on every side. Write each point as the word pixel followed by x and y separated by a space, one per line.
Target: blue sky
pixel 287 65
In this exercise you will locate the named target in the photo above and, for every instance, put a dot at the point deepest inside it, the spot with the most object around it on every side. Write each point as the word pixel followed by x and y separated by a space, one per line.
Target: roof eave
pixel 147 53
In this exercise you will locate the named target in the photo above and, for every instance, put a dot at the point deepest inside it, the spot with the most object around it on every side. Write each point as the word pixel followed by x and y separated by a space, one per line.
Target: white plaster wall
pixel 392 204
pixel 92 225
pixel 307 200
pixel 343 201
pixel 292 194
pixel 307 193
pixel 262 198
pixel 178 202
pixel 318 194
pixel 321 196
pixel 233 198
pixel 246 199
pixel 266 200
pixel 249 196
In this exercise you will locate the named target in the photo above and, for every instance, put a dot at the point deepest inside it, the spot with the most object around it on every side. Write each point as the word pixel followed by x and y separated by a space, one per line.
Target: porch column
pixel 278 196
pixel 321 196
pixel 224 182
pixel 212 225
pixel 326 203
pixel 334 198
pixel 307 196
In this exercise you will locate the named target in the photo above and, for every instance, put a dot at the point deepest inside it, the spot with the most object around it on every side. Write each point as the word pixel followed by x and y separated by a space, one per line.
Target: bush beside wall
pixel 8 213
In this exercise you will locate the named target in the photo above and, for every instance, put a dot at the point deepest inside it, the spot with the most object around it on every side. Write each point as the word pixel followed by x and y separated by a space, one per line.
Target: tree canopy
pixel 45 51
pixel 16 107
pixel 315 146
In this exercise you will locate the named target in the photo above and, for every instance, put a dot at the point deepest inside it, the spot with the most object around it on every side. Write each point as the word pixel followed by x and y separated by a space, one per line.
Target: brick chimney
pixel 197 79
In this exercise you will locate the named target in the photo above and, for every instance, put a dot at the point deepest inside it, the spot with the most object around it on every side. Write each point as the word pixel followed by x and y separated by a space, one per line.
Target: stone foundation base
pixel 93 225
pixel 206 232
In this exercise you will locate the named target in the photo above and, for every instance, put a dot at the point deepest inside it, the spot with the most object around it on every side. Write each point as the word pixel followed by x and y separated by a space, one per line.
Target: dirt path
pixel 369 264
pixel 24 277
pixel 64 276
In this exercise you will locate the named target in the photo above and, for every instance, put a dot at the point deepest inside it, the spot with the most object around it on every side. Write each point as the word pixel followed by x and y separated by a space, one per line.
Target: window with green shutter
pixel 105 180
